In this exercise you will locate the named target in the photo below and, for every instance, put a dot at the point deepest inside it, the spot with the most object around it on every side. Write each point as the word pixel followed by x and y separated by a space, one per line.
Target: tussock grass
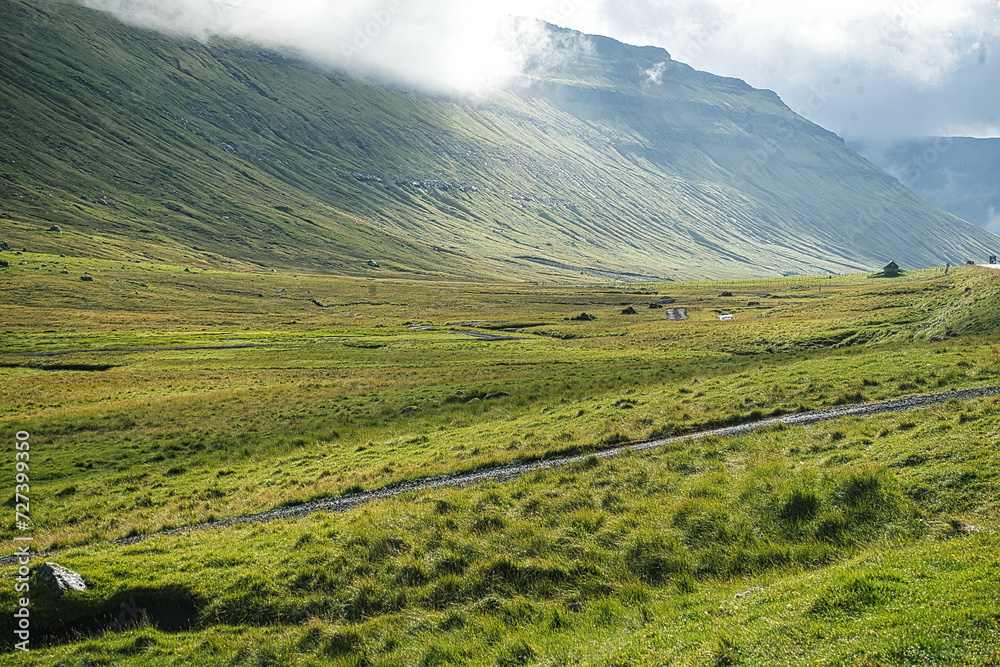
pixel 852 541
pixel 406 579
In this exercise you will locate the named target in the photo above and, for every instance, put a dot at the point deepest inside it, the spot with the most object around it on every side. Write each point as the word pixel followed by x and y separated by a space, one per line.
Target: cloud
pixel 439 44
pixel 993 220
pixel 862 68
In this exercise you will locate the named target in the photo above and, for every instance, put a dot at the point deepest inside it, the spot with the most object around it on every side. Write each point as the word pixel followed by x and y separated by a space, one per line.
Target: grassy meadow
pixel 159 396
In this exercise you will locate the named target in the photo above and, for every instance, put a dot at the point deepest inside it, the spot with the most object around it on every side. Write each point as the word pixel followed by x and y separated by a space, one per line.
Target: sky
pixel 869 70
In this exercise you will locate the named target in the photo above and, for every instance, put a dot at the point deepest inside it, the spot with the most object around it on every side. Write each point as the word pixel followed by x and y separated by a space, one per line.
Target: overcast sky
pixel 865 69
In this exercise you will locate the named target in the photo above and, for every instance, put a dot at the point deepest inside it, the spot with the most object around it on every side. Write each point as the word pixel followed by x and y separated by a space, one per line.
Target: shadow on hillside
pixel 77 616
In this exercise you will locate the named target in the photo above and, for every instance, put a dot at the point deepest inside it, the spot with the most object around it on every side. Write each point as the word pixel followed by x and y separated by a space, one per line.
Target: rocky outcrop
pixel 59 580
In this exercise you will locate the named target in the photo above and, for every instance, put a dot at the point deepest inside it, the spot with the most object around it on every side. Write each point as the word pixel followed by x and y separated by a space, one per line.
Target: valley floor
pixel 158 399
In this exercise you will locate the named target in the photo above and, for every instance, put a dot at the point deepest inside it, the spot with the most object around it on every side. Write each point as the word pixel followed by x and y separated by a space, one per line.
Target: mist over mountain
pixel 435 45
pixel 959 174
pixel 596 158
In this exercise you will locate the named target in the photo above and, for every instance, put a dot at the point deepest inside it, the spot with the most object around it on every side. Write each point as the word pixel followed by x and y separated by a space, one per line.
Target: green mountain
pixel 617 162
pixel 959 174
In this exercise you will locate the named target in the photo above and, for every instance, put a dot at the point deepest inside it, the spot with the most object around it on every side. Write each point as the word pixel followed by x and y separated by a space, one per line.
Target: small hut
pixel 890 269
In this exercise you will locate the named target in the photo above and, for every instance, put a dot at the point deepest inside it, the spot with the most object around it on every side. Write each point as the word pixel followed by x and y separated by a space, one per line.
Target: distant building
pixel 891 269
pixel 993 259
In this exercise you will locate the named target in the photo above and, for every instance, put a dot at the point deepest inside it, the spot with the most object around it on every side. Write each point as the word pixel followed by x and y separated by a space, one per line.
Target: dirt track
pixel 503 473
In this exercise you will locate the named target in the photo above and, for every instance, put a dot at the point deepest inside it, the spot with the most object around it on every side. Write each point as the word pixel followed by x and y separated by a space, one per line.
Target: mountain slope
pixel 615 162
pixel 959 174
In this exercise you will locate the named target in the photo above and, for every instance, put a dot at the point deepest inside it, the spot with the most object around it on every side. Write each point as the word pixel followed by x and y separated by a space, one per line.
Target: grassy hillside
pixel 157 398
pixel 618 163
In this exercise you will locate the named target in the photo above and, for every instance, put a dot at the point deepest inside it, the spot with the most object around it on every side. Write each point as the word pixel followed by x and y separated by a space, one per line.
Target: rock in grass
pixel 59 579
pixel 497 394
pixel 55 228
pixel 87 279
pixel 583 317
pixel 629 311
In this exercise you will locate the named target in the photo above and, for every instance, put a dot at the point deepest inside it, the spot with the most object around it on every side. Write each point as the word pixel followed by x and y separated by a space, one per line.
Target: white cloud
pixel 861 67
pixel 444 44
pixel 655 73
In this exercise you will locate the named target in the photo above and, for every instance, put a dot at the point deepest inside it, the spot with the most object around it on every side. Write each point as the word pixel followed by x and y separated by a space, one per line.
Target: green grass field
pixel 160 396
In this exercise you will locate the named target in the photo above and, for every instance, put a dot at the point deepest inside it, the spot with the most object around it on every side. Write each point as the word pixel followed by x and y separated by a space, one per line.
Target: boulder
pixel 583 317
pixel 496 394
pixel 55 228
pixel 59 579
pixel 629 311
pixel 87 279
pixel 372 263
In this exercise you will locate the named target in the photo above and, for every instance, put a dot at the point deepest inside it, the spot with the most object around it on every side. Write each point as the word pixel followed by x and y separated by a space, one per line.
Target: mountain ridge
pixel 611 162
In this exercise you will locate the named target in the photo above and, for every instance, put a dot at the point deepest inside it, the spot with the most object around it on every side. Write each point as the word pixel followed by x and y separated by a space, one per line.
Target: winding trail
pixel 508 472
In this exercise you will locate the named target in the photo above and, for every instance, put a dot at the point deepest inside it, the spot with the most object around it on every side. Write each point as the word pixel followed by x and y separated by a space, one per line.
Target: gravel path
pixel 503 473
